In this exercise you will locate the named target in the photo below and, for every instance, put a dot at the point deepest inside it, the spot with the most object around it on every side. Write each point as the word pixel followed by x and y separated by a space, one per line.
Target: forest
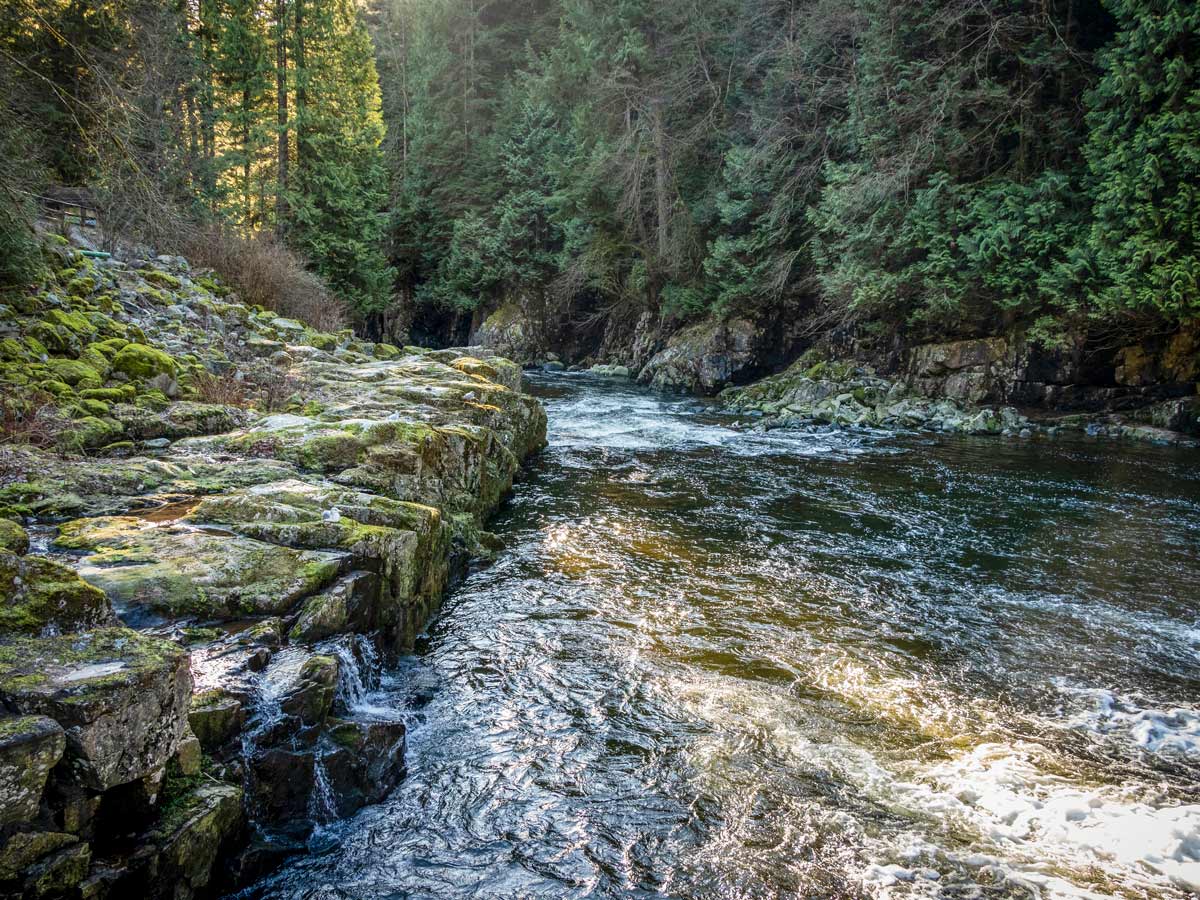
pixel 896 171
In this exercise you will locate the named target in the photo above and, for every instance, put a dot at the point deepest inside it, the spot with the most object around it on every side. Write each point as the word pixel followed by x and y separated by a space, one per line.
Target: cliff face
pixel 215 524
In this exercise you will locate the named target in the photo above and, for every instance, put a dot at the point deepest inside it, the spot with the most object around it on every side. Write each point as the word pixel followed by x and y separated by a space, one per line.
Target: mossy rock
pixel 178 572
pixel 120 696
pixel 13 537
pixel 386 351
pixel 215 718
pixel 322 341
pixel 30 746
pixel 38 596
pixel 142 361
pixel 161 278
pixel 74 371
pixel 110 346
pixel 122 394
pixel 90 431
pixel 82 286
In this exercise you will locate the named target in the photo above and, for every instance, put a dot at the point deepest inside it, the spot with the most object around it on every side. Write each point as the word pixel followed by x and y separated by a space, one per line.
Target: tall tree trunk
pixel 662 197
pixel 301 94
pixel 281 97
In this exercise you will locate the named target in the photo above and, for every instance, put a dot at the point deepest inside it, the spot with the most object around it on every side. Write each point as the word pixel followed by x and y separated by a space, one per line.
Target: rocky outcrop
pixel 511 333
pixel 1012 369
pixel 267 514
pixel 704 358
pixel 815 392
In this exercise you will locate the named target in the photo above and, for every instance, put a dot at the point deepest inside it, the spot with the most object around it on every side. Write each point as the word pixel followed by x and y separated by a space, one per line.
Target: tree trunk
pixel 281 95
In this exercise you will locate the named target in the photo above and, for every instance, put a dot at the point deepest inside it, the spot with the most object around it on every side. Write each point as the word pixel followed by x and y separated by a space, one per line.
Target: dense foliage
pixel 934 167
pixel 912 167
pixel 259 115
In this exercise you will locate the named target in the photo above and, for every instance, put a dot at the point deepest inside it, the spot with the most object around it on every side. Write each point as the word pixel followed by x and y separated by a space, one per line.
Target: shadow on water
pixel 723 664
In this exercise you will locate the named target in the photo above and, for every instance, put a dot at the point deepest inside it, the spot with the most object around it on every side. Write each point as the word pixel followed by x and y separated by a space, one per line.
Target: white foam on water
pixel 1025 823
pixel 1160 729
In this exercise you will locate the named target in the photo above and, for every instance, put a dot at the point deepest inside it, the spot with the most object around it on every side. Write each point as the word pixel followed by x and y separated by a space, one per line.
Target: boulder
pixel 189 839
pixel 43 597
pixel 120 696
pixel 509 332
pixel 215 718
pixel 310 697
pixel 177 571
pixel 30 746
pixel 13 539
pixel 703 358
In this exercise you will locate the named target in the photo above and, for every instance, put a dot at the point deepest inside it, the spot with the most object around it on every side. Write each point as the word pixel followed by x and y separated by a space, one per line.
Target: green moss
pixel 74 372
pixel 90 431
pixel 123 394
pixel 37 594
pixel 13 537
pixel 97 408
pixel 141 361
pixel 110 346
pixel 322 341
pixel 386 351
pixel 160 278
pixel 57 389
pixel 82 286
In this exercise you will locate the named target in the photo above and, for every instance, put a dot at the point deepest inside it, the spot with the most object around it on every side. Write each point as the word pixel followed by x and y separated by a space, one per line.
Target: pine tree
pixel 1144 155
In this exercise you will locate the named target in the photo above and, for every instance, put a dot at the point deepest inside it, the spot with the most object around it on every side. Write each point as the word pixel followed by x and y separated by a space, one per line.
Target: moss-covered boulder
pixel 38 596
pixel 216 717
pixel 120 696
pixel 406 545
pixel 188 842
pixel 177 571
pixel 142 361
pixel 30 746
pixel 13 537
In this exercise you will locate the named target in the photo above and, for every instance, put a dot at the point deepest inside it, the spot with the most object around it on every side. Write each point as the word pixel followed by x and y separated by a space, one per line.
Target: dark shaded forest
pixel 896 171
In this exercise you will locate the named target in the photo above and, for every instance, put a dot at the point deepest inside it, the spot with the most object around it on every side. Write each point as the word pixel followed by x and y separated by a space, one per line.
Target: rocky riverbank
pixel 818 392
pixel 1147 390
pixel 216 525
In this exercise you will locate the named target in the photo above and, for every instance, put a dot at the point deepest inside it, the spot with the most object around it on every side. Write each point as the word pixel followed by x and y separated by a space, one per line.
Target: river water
pixel 718 664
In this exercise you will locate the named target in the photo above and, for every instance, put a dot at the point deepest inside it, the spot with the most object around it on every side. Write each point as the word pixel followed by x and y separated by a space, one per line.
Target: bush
pixel 265 272
pixel 32 420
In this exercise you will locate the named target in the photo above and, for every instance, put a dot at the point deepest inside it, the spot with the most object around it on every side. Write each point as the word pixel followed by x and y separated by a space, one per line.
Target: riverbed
pixel 713 663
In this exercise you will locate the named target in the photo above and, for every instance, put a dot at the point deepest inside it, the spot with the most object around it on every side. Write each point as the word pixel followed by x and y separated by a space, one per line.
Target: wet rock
pixel 704 357
pixel 281 787
pixel 43 597
pixel 120 696
pixel 368 763
pixel 177 571
pixel 310 698
pixel 215 718
pixel 348 606
pixel 30 746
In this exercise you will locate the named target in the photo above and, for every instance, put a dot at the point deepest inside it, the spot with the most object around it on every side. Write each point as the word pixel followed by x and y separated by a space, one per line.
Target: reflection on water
pixel 717 664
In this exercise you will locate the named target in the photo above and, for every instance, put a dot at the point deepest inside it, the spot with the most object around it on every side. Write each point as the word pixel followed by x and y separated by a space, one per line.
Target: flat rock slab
pixel 180 571
pixel 120 696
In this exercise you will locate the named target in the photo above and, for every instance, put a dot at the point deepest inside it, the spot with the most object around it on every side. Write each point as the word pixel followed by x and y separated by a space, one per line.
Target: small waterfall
pixel 358 671
pixel 322 804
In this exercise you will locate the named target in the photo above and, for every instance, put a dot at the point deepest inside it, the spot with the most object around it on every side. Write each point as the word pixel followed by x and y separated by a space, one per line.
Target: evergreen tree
pixel 1144 156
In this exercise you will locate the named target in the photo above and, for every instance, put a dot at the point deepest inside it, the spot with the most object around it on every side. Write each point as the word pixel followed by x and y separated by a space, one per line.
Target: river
pixel 720 664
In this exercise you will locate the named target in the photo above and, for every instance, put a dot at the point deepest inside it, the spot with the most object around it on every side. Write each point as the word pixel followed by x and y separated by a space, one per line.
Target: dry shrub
pixel 32 420
pixel 226 390
pixel 274 390
pixel 265 272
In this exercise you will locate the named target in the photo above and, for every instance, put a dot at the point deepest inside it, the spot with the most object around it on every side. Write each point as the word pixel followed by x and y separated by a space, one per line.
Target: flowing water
pixel 717 664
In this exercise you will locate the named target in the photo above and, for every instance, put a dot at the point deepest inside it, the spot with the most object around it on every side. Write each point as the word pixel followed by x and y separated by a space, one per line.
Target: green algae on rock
pixel 184 572
pixel 38 596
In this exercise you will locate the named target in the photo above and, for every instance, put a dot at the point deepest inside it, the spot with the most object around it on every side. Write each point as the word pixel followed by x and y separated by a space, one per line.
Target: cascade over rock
pixel 266 515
